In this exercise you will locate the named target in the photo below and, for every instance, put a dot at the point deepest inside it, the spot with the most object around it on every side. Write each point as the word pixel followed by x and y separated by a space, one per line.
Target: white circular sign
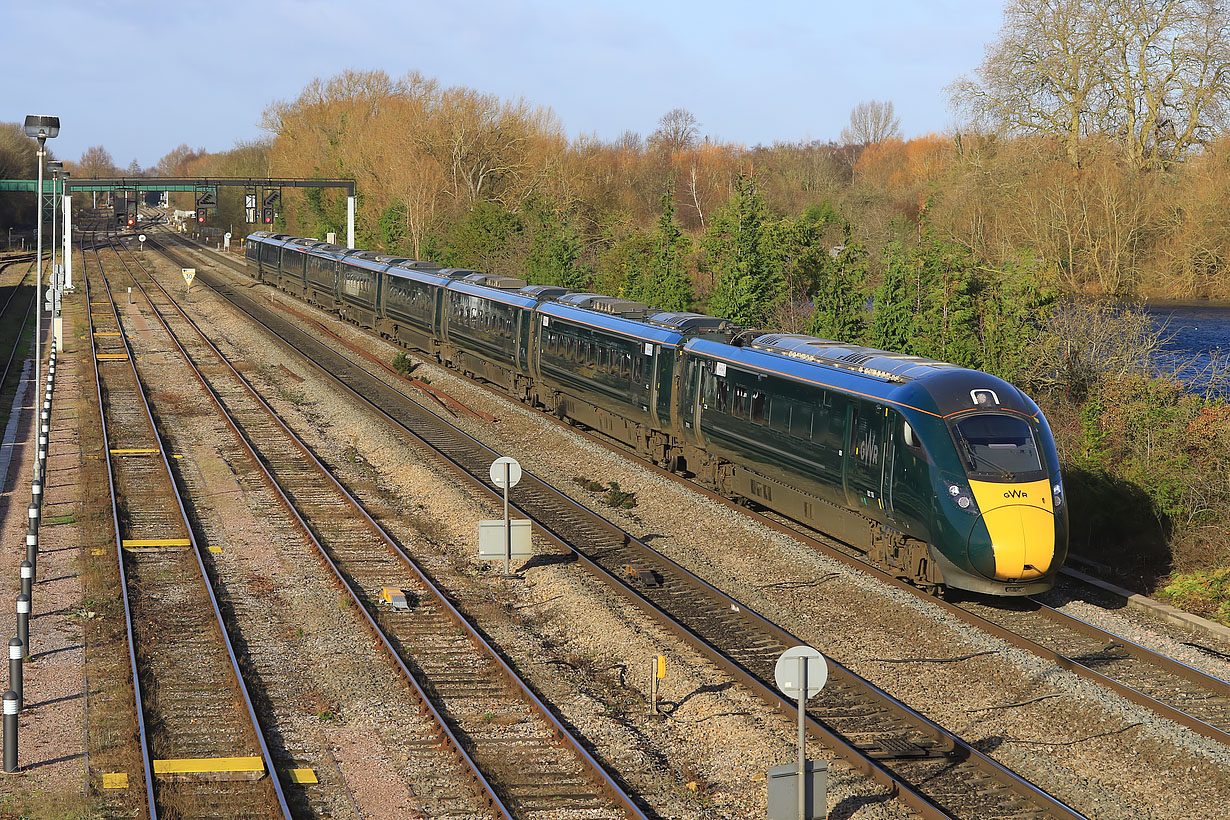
pixel 497 472
pixel 141 238
pixel 786 673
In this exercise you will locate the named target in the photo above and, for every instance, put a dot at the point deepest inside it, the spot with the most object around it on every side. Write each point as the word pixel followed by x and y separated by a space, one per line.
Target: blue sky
pixel 141 77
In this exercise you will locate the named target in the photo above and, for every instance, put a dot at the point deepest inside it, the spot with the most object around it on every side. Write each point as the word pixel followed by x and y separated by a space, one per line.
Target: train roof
pixel 937 388
pixel 691 322
pixel 496 281
pixel 504 297
pixel 545 291
pixel 615 324
pixel 426 276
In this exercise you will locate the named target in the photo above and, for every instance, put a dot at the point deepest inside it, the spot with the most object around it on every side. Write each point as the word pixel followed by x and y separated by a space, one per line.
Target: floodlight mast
pixel 42 128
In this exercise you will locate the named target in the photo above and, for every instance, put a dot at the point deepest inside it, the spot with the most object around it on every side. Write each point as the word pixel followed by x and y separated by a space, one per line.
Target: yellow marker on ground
pixel 107 334
pixel 115 780
pixel 156 542
pixel 105 356
pixel 215 549
pixel 136 450
pixel 97 551
pixel 303 776
pixel 209 765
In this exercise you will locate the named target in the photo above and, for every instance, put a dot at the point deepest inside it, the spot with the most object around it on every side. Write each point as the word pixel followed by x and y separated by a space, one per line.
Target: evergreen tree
pixel 839 297
pixel 892 323
pixel 669 286
pixel 747 285
pixel 482 239
pixel 551 258
pixel 948 285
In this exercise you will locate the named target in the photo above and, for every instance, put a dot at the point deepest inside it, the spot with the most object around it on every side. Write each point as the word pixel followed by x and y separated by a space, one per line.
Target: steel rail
pixel 606 782
pixel 25 321
pixel 234 662
pixel 876 770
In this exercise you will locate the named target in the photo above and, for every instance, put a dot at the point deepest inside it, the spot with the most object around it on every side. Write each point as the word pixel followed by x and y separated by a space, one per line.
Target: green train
pixel 944 476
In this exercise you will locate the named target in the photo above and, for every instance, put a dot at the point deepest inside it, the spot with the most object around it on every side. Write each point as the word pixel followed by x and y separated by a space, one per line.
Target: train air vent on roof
pixel 857 358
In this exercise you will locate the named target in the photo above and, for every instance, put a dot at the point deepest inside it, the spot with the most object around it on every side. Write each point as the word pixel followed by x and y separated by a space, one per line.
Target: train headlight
pixel 962 497
pixel 1057 494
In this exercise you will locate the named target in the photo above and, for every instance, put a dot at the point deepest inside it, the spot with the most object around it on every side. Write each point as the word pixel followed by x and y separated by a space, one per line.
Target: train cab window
pixel 909 436
pixel 625 366
pixel 996 446
pixel 638 365
pixel 800 421
pixel 739 405
pixel 721 396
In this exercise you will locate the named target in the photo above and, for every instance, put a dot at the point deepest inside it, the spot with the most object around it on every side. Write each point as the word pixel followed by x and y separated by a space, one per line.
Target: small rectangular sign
pixel 491 539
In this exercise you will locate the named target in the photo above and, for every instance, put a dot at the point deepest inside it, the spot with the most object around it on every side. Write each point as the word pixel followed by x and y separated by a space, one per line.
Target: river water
pixel 1199 336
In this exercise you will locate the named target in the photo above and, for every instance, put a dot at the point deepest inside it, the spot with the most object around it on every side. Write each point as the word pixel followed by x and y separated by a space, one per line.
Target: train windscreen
pixel 997 446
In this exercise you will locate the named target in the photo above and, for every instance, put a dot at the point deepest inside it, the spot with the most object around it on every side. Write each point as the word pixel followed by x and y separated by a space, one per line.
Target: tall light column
pixel 41 128
pixel 56 167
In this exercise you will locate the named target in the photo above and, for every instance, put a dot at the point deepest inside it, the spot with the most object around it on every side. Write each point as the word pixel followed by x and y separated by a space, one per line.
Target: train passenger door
pixel 866 448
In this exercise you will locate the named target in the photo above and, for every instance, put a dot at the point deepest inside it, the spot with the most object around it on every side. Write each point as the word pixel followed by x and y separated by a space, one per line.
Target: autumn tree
pixel 1151 75
pixel 96 162
pixel 871 122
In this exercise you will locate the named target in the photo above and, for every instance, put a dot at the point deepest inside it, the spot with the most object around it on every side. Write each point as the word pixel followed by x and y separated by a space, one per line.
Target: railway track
pixel 521 759
pixel 15 312
pixel 930 770
pixel 1147 678
pixel 203 753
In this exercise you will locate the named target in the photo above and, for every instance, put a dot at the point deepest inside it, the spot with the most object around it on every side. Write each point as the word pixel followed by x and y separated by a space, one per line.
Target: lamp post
pixel 56 167
pixel 42 128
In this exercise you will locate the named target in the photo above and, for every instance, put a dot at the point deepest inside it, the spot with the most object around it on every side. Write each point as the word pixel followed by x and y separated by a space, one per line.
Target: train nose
pixel 1022 542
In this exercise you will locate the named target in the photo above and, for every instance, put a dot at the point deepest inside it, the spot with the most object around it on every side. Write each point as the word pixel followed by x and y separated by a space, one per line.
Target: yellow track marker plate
pixel 156 542
pixel 104 356
pixel 209 765
pixel 97 333
pixel 215 549
pixel 97 551
pixel 303 776
pixel 137 450
pixel 115 780
pixel 100 304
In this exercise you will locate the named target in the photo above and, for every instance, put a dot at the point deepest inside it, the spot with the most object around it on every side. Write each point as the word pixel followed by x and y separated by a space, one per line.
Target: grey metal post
pixel 653 686
pixel 10 732
pixel 15 684
pixel 32 550
pixel 55 210
pixel 27 578
pixel 507 522
pixel 23 622
pixel 802 739
pixel 33 514
pixel 36 491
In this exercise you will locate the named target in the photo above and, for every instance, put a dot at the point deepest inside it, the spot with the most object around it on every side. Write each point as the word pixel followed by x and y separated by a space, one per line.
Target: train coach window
pixel 721 396
pixel 604 359
pixel 800 421
pixel 779 414
pixel 739 405
pixel 591 355
pixel 625 366
pixel 758 406
pixel 638 369
pixel 568 349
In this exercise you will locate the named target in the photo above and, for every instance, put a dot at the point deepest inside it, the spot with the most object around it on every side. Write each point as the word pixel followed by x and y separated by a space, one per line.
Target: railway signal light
pixel 267 216
pixel 200 217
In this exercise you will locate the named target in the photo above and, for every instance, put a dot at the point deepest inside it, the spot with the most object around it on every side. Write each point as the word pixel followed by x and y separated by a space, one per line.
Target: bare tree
pixel 677 130
pixel 1152 75
pixel 96 161
pixel 871 122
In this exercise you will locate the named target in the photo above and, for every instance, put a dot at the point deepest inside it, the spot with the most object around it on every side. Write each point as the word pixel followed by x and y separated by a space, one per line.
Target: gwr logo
pixel 1016 494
